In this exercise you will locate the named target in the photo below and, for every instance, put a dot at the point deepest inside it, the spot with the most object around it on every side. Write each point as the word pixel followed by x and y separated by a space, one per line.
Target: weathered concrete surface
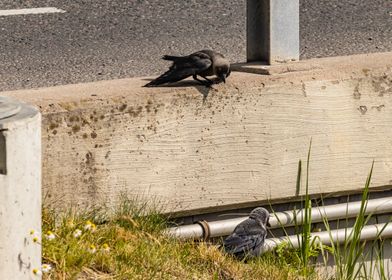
pixel 240 145
pixel 20 193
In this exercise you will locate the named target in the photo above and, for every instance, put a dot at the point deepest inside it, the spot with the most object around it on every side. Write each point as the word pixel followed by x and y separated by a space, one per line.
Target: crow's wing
pixel 183 67
pixel 246 237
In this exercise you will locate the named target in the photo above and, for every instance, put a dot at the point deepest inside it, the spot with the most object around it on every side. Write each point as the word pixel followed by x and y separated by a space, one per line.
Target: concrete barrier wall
pixel 240 145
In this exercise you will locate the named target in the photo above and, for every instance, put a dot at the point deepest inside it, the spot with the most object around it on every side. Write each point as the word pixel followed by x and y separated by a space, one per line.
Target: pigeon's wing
pixel 183 67
pixel 241 245
pixel 246 237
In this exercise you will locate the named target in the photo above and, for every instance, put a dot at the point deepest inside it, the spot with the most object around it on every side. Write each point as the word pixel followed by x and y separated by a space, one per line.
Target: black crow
pixel 202 63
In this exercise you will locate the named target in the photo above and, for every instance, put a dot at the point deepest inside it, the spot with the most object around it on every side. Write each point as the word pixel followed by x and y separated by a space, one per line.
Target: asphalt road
pixel 100 40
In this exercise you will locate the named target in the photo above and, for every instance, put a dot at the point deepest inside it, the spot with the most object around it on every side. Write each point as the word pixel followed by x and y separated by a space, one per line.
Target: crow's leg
pixel 211 82
pixel 207 82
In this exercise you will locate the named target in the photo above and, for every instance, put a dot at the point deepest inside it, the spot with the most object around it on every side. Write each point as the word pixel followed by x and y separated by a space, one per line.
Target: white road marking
pixel 46 10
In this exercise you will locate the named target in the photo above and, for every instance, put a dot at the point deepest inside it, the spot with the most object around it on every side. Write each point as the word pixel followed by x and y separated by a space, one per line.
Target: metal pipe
pixel 370 232
pixel 284 219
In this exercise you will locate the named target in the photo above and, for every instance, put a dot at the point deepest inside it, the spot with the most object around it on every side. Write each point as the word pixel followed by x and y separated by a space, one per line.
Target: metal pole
pixel 272 30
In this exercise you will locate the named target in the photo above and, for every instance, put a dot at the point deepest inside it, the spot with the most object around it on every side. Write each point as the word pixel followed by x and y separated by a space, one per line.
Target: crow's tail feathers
pixel 154 83
pixel 166 77
pixel 170 57
pixel 175 58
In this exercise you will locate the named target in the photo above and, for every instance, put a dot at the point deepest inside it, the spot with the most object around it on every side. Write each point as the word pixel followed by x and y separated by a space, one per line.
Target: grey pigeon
pixel 203 63
pixel 248 237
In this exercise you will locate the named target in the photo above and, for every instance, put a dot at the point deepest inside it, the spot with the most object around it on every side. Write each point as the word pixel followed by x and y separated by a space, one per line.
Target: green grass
pixel 306 244
pixel 138 250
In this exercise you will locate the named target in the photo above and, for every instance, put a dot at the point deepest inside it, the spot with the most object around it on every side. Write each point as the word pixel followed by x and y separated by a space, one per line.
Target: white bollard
pixel 20 190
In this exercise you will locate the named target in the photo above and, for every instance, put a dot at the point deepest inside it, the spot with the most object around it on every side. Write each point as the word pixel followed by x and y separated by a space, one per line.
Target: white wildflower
pixel 90 226
pixel 46 268
pixel 49 235
pixel 35 237
pixel 77 233
pixel 92 249
pixel 105 248
pixel 37 272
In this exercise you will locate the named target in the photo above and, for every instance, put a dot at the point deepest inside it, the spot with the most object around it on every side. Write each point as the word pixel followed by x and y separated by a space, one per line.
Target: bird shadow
pixel 203 89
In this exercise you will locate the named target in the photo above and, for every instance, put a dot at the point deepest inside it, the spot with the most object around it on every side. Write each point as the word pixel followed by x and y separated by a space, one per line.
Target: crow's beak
pixel 222 77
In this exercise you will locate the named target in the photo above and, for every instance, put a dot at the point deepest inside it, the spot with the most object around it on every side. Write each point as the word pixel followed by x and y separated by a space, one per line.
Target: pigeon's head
pixel 261 214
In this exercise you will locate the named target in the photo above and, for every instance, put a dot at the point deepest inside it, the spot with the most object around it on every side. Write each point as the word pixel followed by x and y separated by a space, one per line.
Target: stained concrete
pixel 192 150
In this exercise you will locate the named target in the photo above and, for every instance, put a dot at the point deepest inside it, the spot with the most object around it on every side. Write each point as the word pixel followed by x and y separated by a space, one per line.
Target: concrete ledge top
pixel 331 68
